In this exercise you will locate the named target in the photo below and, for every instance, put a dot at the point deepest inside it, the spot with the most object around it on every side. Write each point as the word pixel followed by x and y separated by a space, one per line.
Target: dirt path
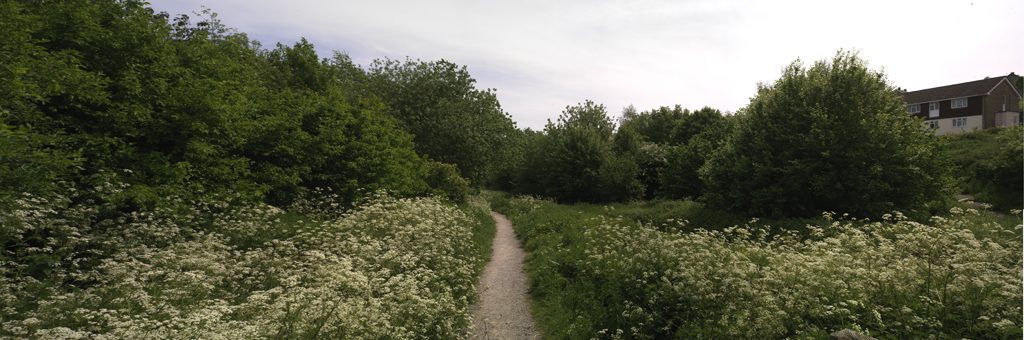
pixel 969 200
pixel 503 311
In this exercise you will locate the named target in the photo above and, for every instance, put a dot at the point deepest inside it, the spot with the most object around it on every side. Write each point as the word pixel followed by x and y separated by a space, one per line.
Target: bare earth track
pixel 503 311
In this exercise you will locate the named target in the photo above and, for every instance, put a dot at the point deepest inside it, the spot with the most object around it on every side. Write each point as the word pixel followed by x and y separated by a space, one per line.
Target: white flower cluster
pixel 391 268
pixel 894 278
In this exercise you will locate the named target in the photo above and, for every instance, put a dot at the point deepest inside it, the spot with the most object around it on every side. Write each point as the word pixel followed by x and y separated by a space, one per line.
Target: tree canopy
pixel 450 119
pixel 575 159
pixel 834 136
pixel 180 105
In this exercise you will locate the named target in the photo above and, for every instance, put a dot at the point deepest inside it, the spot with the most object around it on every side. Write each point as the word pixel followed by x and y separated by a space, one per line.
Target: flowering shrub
pixel 390 268
pixel 612 277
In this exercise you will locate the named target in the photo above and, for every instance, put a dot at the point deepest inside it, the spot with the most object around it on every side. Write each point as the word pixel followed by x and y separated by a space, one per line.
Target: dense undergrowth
pixel 388 268
pixel 597 271
pixel 988 165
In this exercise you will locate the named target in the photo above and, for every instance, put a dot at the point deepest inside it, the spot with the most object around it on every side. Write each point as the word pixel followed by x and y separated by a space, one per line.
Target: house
pixel 974 105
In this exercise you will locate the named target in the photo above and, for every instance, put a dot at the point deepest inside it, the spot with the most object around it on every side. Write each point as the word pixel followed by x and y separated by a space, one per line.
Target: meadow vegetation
pixel 599 271
pixel 987 164
pixel 388 268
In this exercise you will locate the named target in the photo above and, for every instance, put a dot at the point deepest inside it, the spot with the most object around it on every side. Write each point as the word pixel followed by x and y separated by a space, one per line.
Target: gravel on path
pixel 503 311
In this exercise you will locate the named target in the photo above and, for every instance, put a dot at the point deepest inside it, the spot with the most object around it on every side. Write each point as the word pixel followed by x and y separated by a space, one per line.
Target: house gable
pixel 1006 80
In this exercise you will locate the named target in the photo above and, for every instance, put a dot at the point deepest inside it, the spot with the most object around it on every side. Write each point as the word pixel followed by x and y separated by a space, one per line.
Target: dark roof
pixel 968 89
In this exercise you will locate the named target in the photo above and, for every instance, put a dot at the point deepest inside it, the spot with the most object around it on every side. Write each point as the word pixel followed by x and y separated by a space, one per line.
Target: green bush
pixel 444 181
pixel 1000 178
pixel 653 162
pixel 831 137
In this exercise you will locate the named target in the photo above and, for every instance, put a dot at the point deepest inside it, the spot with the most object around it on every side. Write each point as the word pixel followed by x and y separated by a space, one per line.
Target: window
pixel 958 103
pixel 914 108
pixel 933 110
pixel 932 124
pixel 960 122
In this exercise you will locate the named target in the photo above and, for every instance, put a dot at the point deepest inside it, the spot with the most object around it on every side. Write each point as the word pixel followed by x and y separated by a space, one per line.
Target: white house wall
pixel 1007 119
pixel 946 125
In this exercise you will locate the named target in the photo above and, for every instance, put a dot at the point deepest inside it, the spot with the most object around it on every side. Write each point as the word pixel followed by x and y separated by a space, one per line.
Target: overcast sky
pixel 543 55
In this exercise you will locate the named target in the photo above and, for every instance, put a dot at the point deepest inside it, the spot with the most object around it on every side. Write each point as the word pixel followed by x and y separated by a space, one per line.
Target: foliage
pixel 136 149
pixel 575 159
pixel 653 166
pixel 189 106
pixel 450 119
pixel 670 145
pixel 1006 185
pixel 831 137
pixel 511 168
pixel 584 158
pixel 445 180
pixel 390 268
pixel 528 171
pixel 680 176
pixel 988 164
pixel 596 274
pixel 656 126
pixel 33 162
pixel 671 126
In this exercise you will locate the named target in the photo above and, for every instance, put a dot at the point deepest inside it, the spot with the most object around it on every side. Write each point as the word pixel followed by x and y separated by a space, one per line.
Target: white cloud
pixel 544 55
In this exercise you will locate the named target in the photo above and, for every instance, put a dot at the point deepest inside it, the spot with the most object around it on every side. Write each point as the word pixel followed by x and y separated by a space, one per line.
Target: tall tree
pixel 450 119
pixel 576 159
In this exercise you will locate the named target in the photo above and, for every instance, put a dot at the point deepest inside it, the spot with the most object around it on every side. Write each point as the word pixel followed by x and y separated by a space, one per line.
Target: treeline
pixel 832 136
pixel 586 157
pixel 102 91
pixel 111 91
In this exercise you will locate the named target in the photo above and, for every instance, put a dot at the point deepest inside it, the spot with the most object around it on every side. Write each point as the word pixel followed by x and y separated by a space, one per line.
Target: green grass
pixel 635 268
pixel 667 215
pixel 968 148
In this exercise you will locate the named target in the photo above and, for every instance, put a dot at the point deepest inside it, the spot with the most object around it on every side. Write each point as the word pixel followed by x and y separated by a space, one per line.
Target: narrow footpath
pixel 503 311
